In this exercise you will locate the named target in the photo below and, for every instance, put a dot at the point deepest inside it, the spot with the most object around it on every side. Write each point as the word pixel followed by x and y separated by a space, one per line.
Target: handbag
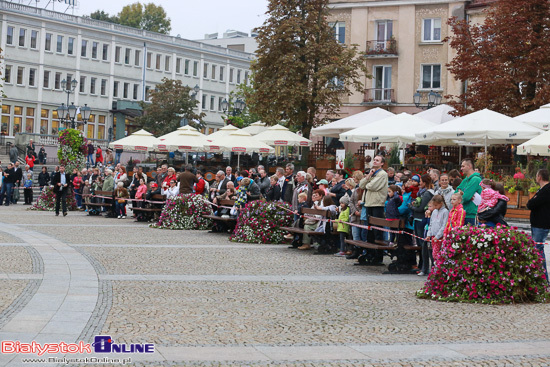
pixel 121 201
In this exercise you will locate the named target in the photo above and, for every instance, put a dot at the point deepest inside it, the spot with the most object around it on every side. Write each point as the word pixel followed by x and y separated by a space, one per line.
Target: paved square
pixel 203 300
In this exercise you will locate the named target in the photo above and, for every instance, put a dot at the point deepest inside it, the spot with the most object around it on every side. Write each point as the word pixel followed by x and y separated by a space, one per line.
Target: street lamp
pixel 238 106
pixel 68 113
pixel 434 99
pixel 193 92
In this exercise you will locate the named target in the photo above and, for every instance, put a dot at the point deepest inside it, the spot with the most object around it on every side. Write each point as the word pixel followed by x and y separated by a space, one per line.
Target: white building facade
pixel 111 64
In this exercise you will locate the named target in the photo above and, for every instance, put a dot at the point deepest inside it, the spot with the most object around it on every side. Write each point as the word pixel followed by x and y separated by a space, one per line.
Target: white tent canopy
pixel 484 125
pixel 334 129
pixel 538 118
pixel 395 129
pixel 237 142
pixel 184 141
pixel 438 114
pixel 178 131
pixel 139 141
pixel 539 145
pixel 280 135
pixel 255 128
pixel 226 130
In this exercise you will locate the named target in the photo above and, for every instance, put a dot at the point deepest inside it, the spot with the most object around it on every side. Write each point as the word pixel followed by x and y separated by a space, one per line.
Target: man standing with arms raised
pixel 469 187
pixel 540 213
pixel 375 186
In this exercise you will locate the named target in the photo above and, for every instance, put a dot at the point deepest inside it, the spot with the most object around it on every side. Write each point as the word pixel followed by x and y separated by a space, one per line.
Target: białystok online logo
pixel 101 344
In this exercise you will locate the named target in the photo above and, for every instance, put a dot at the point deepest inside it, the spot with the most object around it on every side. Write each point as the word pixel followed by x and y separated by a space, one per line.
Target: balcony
pixel 381 49
pixel 379 96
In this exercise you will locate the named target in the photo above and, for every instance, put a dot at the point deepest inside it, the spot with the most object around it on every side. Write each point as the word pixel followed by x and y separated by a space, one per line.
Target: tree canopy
pixel 245 117
pixel 170 103
pixel 504 61
pixel 302 72
pixel 143 16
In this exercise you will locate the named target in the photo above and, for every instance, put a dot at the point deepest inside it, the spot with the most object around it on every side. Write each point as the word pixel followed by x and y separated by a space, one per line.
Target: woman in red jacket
pixel 29 160
pixel 98 156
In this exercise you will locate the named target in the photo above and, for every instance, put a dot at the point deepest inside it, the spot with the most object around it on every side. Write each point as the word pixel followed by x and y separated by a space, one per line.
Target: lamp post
pixel 434 99
pixel 238 106
pixel 193 92
pixel 68 113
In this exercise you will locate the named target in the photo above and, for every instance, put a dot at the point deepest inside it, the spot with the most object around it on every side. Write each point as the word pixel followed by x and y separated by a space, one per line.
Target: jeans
pixel 78 197
pixel 117 158
pixel 356 233
pixel 470 221
pixel 120 208
pixel 342 241
pixel 539 235
pixel 419 231
pixel 7 191
pixel 91 159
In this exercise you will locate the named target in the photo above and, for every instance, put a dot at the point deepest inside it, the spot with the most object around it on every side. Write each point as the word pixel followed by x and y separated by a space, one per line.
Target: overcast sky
pixel 190 19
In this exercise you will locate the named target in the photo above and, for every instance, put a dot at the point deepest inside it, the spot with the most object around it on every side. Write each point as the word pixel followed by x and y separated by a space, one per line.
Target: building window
pixel 82 84
pixel 212 103
pixel 9 35
pixel 135 92
pixel 115 89
pixel 7 74
pixel 238 76
pixel 29 121
pixel 70 46
pixel 57 82
pixel 231 75
pixel 149 59
pixel 157 64
pixel 69 80
pixel 59 46
pixel 147 92
pixel 32 77
pixel 127 53
pixel 246 77
pixel 17 121
pixel 103 87
pixel 95 45
pixel 125 91
pixel 186 67
pixel 220 101
pixel 22 36
pixel 339 29
pixel 431 31
pixel 213 75
pixel 167 63
pixel 44 121
pixel 203 104
pixel 137 54
pixel 205 71
pixel 6 119
pixel 34 38
pixel 178 65
pixel 46 79
pixel 222 72
pixel 92 85
pixel 431 76
pixel 195 68
pixel 117 54
pixel 105 55
pixel 84 49
pixel 48 45
pixel 20 72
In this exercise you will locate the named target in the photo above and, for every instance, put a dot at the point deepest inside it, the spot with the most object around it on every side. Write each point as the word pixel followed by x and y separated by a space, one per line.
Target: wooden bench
pixel 301 231
pixel 102 193
pixel 155 197
pixel 226 223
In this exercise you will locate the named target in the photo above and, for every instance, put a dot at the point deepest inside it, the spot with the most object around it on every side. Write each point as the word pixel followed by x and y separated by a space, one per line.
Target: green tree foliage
pixel 170 102
pixel 102 15
pixel 145 16
pixel 246 117
pixel 505 60
pixel 302 72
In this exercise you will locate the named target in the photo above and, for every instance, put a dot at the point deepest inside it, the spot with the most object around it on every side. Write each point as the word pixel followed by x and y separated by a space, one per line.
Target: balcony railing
pixel 381 48
pixel 379 95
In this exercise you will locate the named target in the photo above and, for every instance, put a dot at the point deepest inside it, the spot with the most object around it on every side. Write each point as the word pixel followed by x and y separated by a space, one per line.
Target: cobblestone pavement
pixel 205 301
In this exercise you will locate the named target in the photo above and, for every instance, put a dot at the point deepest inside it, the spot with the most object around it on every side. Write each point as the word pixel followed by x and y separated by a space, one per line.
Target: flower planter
pixel 513 198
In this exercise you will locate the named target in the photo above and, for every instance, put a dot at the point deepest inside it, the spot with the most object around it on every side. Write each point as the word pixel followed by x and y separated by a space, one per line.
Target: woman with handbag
pixel 121 195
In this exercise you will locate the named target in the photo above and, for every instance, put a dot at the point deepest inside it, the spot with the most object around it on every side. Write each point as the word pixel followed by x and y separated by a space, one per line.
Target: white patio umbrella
pixel 255 128
pixel 438 114
pixel 538 118
pixel 488 126
pixel 398 129
pixel 237 142
pixel 334 129
pixel 179 130
pixel 185 141
pixel 539 145
pixel 280 135
pixel 226 130
pixel 139 141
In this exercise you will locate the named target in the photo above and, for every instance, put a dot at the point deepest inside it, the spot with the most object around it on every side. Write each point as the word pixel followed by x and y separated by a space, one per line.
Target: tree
pixel 149 17
pixel 245 117
pixel 302 72
pixel 504 61
pixel 170 102
pixel 102 15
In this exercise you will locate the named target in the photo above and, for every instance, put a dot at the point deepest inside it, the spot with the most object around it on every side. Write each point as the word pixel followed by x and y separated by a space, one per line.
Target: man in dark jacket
pixel 14 154
pixel 289 184
pixel 61 186
pixel 18 173
pixel 187 179
pixel 540 213
pixel 263 182
pixel 91 152
pixel 7 187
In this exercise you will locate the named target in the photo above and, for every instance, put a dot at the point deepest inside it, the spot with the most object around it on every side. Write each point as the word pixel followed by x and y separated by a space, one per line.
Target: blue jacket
pixel 392 207
pixel 404 210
